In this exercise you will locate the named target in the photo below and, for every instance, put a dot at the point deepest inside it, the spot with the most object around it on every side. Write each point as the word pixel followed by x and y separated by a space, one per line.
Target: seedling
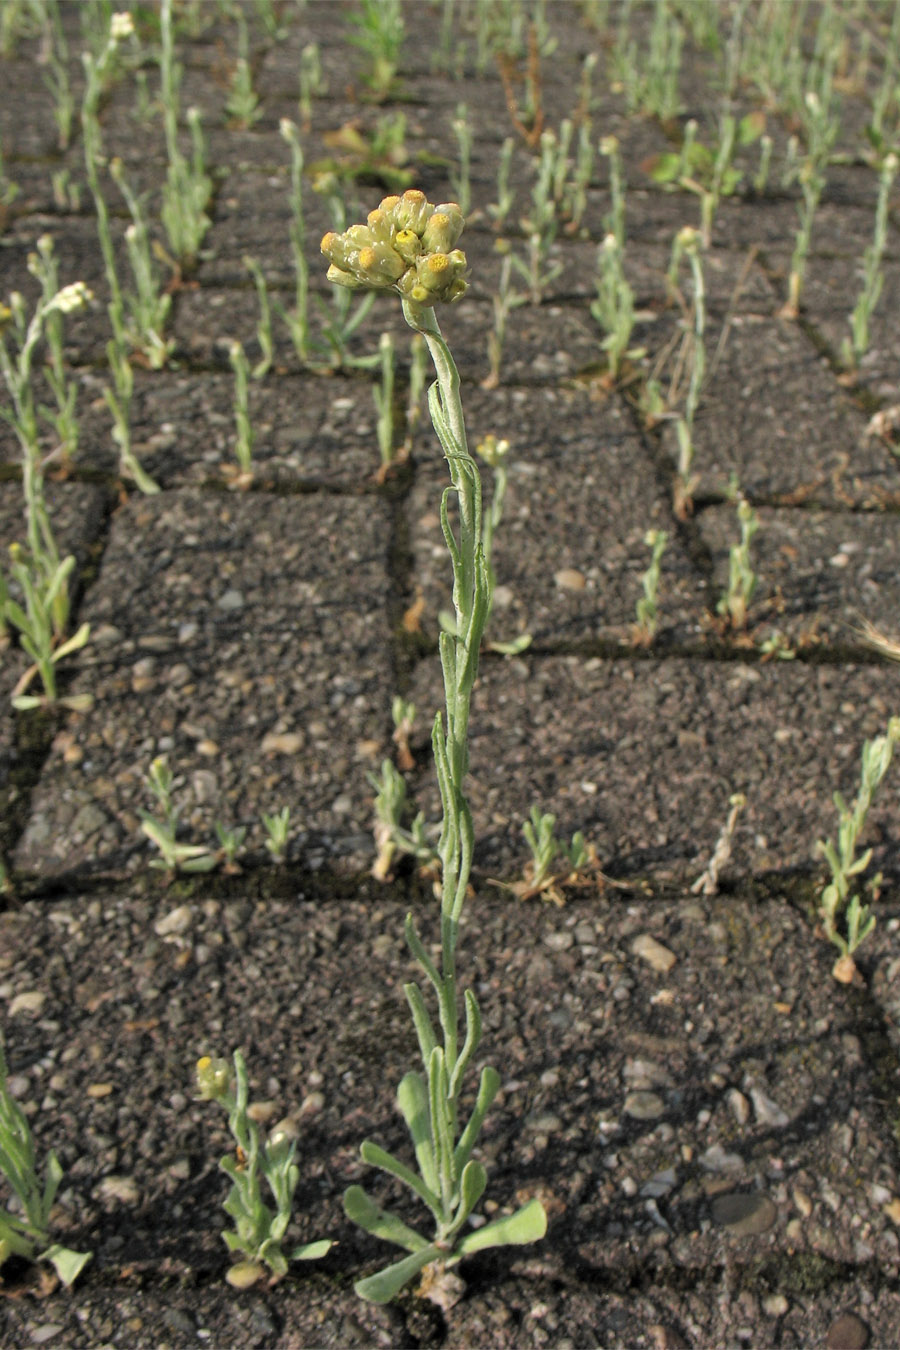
pixel 708 171
pixel 647 609
pixel 554 865
pixel 264 327
pixel 395 834
pixel 43 265
pixel 40 574
pixel 312 81
pixel 503 302
pixel 499 210
pixel 37 633
pixel 821 124
pixel 188 187
pixel 174 856
pixel 693 357
pixel 540 226
pixel 403 715
pixel 873 277
pixel 26 1232
pixel 259 1229
pixel 231 841
pixel 276 828
pixel 242 105
pixel 149 307
pixel 245 435
pixel 735 601
pixel 847 920
pixel 410 246
pixel 379 36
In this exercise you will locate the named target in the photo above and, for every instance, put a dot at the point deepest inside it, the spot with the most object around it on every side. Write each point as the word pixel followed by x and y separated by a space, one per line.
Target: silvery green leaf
pixel 311 1251
pixel 528 1224
pixel 67 1264
pixel 379 1222
pixel 387 1283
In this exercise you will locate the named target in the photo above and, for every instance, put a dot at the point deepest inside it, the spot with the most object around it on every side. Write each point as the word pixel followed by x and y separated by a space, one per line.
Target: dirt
pixel 710 1119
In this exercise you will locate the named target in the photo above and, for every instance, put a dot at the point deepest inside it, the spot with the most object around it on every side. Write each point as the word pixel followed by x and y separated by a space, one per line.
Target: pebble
pixel 776 1305
pixel 283 742
pixel 653 952
pixel 32 1001
pixel 177 921
pixel 847 1332
pixel 744 1213
pixel 231 600
pixel 569 579
pixel 715 1159
pixel 738 1106
pixel 40 1335
pixel 659 1184
pixel 558 941
pixel 644 1105
pixel 122 1189
pixel 767 1111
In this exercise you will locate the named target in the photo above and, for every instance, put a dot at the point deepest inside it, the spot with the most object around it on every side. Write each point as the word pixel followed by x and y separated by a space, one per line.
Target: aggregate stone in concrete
pixel 644 756
pixel 820 574
pixel 772 416
pixel 569 551
pixel 244 638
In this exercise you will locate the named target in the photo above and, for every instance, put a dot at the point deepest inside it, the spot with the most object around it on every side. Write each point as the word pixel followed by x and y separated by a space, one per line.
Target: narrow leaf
pixel 412 1099
pixel 387 1283
pixel 377 1221
pixel 528 1224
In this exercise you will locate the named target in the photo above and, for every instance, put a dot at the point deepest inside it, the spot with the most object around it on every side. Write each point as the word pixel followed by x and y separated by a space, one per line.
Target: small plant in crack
pixel 846 918
pixel 647 608
pixel 259 1228
pixel 554 866
pixel 162 828
pixel 277 829
pixel 742 580
pixel 25 1229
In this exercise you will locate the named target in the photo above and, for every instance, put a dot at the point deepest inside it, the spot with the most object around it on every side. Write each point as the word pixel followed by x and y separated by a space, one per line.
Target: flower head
pixel 406 245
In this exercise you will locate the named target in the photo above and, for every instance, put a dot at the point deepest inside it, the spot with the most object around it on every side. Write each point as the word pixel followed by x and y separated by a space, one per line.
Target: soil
pixel 711 1120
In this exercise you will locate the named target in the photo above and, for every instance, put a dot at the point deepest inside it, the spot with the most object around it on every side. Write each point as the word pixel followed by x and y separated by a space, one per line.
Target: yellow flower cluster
pixel 406 245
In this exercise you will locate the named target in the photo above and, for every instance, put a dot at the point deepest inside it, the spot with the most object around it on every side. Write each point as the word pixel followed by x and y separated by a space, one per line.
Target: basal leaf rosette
pixel 406 245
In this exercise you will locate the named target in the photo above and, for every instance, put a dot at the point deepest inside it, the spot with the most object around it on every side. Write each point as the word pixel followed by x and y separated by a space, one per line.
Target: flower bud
pixel 121 26
pixel 213 1078
pixel 349 280
pixel 443 228
pixel 411 211
pixel 408 245
pixel 381 264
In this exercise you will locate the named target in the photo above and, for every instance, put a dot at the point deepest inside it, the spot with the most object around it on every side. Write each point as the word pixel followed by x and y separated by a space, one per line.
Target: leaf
pixel 387 1283
pixel 751 127
pixel 377 1156
pixel 528 1224
pixel 67 1264
pixel 471 1186
pixel 73 644
pixel 412 1099
pixel 377 1221
pixel 662 168
pixel 311 1251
